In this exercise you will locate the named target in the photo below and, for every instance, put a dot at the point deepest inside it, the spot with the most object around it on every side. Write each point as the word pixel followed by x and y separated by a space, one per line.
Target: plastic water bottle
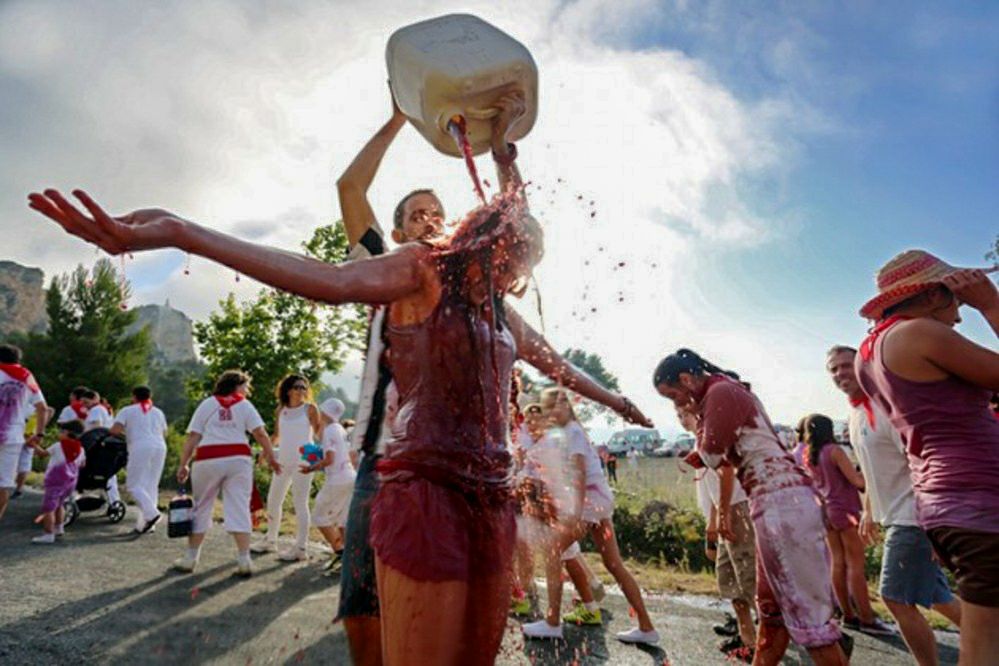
pixel 459 65
pixel 180 519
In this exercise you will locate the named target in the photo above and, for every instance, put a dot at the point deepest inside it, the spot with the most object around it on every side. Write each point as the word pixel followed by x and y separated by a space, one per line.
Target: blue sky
pixel 753 164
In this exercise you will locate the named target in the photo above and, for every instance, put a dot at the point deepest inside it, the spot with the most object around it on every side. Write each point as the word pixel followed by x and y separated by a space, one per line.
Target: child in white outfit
pixel 329 513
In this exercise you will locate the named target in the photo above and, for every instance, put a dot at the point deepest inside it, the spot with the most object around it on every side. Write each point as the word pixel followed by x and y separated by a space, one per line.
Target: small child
pixel 67 457
pixel 329 513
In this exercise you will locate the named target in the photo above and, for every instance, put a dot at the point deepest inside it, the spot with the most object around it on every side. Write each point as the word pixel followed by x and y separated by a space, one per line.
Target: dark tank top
pixel 452 373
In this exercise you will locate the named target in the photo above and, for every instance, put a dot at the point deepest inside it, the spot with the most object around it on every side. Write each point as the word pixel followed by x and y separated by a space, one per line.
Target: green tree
pixel 591 364
pixel 993 254
pixel 277 333
pixel 88 342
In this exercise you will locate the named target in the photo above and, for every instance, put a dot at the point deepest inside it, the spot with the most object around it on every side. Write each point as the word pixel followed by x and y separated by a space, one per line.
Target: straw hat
pixel 903 277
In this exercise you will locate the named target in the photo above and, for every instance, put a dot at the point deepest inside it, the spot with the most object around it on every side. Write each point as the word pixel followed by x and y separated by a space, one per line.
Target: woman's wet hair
pixel 283 390
pixel 503 237
pixel 819 431
pixel 685 361
pixel 229 381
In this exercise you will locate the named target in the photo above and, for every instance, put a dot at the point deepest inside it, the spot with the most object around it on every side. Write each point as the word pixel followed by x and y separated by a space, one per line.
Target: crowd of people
pixel 446 517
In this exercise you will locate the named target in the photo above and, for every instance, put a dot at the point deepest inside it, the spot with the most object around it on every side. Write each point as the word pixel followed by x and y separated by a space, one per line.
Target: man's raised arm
pixel 352 186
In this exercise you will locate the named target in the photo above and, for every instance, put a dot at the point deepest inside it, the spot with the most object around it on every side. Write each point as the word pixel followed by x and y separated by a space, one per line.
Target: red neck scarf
pixel 71 448
pixel 79 409
pixel 20 373
pixel 144 405
pixel 865 402
pixel 867 346
pixel 228 401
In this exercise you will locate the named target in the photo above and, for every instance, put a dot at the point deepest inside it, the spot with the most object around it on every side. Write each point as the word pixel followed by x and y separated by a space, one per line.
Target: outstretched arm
pixel 379 280
pixel 534 349
pixel 352 186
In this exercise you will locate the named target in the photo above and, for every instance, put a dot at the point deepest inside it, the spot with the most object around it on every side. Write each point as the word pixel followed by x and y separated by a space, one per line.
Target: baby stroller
pixel 106 456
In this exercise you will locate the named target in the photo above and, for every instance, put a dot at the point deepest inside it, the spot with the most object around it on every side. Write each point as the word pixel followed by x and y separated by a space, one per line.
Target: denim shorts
pixel 909 574
pixel 358 589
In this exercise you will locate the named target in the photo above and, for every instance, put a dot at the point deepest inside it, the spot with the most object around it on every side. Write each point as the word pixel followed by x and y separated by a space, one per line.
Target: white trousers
pixel 145 467
pixel 301 488
pixel 233 476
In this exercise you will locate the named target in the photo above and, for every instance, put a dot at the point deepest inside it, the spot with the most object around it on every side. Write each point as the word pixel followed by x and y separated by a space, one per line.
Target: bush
pixel 662 533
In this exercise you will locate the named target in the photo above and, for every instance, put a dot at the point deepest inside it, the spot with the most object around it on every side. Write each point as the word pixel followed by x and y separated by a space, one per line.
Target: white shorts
pixel 331 505
pixel 24 463
pixel 598 504
pixel 233 476
pixel 10 457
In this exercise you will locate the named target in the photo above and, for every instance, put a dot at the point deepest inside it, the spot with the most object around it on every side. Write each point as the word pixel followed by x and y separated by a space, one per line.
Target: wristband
pixel 508 159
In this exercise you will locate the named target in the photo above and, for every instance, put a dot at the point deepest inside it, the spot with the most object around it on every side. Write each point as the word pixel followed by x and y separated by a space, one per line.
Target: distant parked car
pixel 684 444
pixel 665 450
pixel 642 440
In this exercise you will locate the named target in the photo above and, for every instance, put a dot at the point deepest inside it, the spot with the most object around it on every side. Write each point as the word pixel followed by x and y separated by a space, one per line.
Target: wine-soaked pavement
pixel 100 596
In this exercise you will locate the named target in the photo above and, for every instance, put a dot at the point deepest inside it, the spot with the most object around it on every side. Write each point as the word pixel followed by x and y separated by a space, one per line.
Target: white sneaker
pixel 636 635
pixel 541 629
pixel 48 537
pixel 263 547
pixel 60 531
pixel 294 555
pixel 244 569
pixel 186 563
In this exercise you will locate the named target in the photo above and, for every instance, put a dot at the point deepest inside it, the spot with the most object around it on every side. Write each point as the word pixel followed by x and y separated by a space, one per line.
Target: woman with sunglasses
pixel 296 422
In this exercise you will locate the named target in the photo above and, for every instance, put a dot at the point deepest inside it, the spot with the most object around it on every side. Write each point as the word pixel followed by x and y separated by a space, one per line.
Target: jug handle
pixel 482 114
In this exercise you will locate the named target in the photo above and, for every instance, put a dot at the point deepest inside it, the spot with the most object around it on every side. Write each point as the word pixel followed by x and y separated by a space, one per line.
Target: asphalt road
pixel 100 596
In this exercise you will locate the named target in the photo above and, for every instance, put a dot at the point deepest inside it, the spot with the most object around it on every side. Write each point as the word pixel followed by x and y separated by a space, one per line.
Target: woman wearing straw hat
pixel 935 386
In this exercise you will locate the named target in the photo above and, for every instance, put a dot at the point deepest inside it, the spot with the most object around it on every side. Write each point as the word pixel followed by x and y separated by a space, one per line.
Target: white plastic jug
pixel 459 65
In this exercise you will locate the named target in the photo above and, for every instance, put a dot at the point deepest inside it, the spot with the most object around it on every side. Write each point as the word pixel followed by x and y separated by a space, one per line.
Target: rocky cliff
pixel 22 299
pixel 171 331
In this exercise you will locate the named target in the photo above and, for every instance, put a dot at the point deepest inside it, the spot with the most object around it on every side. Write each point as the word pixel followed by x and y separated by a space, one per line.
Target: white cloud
pixel 241 116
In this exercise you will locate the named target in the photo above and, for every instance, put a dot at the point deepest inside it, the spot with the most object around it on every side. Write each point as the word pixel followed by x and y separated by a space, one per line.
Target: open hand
pixel 869 532
pixel 725 526
pixel 146 229
pixel 512 107
pixel 973 287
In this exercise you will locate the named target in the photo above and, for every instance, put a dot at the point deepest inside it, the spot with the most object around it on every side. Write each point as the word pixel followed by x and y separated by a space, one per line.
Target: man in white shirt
pixel 19 395
pixel 76 410
pixel 144 427
pixel 909 575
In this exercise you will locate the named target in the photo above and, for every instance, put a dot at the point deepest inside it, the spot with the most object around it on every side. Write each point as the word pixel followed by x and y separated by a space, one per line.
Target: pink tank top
pixel 952 440
pixel 838 494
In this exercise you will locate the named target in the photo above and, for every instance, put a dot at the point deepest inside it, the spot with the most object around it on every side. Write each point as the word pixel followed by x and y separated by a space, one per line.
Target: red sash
pixel 865 402
pixel 79 409
pixel 22 374
pixel 71 448
pixel 144 405
pixel 212 451
pixel 867 346
pixel 228 401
